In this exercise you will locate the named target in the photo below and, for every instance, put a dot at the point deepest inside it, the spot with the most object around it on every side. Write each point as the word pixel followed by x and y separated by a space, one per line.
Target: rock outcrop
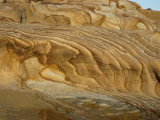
pixel 107 46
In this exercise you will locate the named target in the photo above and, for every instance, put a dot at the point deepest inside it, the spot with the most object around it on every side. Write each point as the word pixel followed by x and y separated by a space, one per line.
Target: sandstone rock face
pixel 107 46
pixel 100 13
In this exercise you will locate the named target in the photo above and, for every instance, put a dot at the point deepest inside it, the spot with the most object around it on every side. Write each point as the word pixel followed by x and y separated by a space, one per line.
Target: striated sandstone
pixel 119 15
pixel 107 46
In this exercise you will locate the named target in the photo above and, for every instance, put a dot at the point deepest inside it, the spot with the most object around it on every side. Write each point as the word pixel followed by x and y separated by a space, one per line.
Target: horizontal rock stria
pixel 107 46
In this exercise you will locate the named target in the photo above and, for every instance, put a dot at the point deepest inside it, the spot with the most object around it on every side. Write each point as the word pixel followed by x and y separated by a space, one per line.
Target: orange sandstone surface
pixel 82 48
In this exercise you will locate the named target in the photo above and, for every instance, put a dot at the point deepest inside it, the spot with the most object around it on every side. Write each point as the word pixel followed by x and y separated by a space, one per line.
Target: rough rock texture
pixel 107 46
pixel 116 14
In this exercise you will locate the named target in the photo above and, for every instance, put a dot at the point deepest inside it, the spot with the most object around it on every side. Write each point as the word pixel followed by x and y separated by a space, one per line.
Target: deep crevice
pixel 157 77
pixel 4 1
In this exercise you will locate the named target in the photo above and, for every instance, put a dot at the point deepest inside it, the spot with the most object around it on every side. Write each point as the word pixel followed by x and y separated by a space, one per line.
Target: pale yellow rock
pixel 107 46
pixel 122 14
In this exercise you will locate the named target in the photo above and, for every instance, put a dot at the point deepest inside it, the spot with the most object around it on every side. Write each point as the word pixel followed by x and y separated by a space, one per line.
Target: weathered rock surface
pixel 107 46
pixel 111 14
